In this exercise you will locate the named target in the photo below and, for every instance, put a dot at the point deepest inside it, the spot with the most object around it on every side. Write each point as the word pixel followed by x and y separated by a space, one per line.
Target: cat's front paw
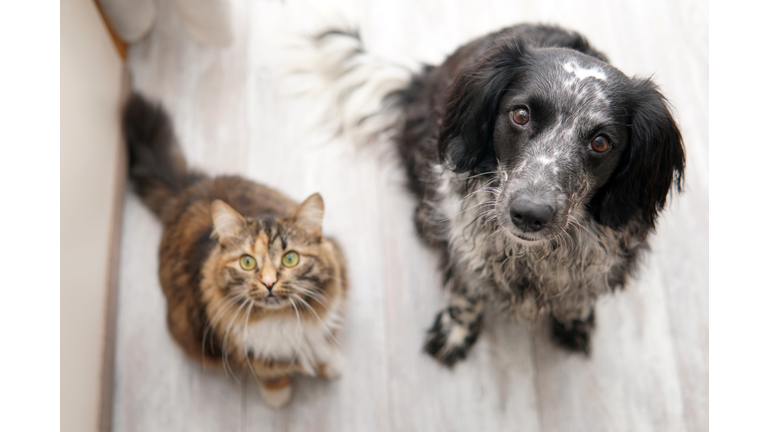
pixel 450 339
pixel 276 393
pixel 332 369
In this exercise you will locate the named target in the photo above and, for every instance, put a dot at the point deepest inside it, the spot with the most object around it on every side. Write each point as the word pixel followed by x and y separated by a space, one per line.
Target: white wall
pixel 91 75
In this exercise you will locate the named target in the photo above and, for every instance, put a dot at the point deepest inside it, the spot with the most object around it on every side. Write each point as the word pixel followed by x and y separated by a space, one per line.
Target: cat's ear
pixel 227 222
pixel 309 215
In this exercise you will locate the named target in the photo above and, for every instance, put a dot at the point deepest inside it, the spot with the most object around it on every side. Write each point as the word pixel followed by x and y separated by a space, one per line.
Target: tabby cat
pixel 250 281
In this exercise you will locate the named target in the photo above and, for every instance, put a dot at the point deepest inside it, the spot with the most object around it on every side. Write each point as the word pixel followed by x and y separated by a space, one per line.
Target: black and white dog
pixel 539 170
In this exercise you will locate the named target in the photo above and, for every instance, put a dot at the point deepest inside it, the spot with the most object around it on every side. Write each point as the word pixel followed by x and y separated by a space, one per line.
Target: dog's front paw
pixel 450 339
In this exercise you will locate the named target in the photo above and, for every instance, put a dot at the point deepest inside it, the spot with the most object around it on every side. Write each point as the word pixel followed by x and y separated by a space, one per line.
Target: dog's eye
pixel 600 144
pixel 521 116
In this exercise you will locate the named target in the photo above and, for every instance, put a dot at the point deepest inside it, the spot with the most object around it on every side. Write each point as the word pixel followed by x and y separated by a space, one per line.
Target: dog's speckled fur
pixel 466 161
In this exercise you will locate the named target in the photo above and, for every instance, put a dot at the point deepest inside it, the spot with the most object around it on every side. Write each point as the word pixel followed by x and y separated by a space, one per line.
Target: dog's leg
pixel 456 329
pixel 574 333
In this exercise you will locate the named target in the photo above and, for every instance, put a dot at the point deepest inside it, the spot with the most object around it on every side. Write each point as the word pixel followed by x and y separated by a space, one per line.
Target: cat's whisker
pixel 299 326
pixel 225 351
pixel 315 295
pixel 328 331
pixel 299 330
pixel 221 310
pixel 295 309
pixel 208 326
pixel 247 337
pixel 309 307
pixel 229 299
pixel 314 289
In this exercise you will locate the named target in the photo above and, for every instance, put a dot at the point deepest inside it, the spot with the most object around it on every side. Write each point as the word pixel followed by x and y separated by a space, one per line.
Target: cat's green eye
pixel 247 262
pixel 290 259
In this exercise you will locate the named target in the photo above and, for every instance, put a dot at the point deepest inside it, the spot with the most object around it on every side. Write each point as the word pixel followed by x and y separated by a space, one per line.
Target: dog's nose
pixel 530 214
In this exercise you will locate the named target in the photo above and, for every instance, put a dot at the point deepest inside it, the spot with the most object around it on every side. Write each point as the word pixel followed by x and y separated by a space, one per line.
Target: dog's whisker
pixel 466 210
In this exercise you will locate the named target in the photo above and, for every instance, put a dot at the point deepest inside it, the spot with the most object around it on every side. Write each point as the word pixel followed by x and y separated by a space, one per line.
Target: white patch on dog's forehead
pixel 583 73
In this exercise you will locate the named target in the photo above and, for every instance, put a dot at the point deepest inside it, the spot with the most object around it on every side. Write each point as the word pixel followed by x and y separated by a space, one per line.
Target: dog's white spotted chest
pixel 520 277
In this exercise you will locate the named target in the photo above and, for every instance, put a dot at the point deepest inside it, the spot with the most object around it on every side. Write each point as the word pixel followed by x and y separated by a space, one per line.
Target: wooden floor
pixel 650 366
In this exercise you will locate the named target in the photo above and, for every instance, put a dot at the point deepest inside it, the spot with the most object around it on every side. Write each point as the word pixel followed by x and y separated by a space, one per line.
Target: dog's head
pixel 564 132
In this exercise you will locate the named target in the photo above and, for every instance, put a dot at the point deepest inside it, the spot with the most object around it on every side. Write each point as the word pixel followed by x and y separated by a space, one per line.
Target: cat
pixel 251 283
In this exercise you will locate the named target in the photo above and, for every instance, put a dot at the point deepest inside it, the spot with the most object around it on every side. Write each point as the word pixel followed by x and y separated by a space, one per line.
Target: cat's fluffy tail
pixel 361 90
pixel 157 166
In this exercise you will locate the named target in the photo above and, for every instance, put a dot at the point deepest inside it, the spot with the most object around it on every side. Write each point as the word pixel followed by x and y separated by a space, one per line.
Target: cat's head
pixel 272 262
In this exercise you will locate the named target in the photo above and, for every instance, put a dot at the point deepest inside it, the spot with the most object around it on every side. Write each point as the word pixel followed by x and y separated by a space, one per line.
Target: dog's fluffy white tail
pixel 360 89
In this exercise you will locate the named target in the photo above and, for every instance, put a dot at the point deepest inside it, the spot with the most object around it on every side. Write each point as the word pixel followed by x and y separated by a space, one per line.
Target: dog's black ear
pixel 465 141
pixel 652 164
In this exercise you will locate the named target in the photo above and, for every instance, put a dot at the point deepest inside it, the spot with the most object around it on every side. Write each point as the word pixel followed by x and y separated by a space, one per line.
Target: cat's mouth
pixel 271 302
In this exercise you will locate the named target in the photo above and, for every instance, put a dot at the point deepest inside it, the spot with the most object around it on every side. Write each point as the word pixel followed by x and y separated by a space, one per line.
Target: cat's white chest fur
pixel 292 338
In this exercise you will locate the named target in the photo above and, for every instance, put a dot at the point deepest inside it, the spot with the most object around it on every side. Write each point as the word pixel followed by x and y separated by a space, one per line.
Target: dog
pixel 539 170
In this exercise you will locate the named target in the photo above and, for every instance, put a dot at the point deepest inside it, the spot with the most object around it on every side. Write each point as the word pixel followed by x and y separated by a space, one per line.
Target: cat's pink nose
pixel 268 282
pixel 268 277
